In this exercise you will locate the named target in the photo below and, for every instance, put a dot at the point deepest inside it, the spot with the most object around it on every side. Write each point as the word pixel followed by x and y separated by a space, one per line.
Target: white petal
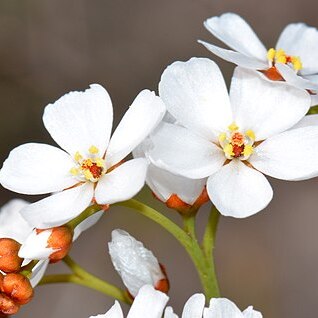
pixel 169 313
pixel 136 265
pixel 13 225
pixel 38 272
pixel 79 120
pixel 35 246
pixel 236 57
pixel 180 151
pixel 86 224
pixel 37 169
pixel 114 312
pixel 222 308
pixel 239 191
pixel 298 39
pixel 251 313
pixel 145 113
pixel 149 303
pixel 292 78
pixel 194 306
pixel 164 184
pixel 59 208
pixel 291 155
pixel 235 32
pixel 122 183
pixel 195 94
pixel 309 120
pixel 264 106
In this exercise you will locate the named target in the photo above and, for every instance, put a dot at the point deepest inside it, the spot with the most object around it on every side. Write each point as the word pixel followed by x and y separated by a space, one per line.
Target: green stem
pixel 189 225
pixel 81 277
pixel 187 240
pixel 210 233
pixel 84 215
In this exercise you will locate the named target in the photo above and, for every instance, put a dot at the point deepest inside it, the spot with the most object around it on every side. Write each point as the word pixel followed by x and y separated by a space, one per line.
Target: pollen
pixel 233 127
pixel 280 56
pixel 93 150
pixel 91 168
pixel 236 144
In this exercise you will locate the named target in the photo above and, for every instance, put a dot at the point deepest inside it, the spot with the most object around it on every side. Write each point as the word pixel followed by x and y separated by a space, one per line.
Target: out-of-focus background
pixel 51 47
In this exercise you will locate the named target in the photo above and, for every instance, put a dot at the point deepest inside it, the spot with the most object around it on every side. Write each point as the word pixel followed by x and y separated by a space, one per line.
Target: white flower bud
pixel 136 265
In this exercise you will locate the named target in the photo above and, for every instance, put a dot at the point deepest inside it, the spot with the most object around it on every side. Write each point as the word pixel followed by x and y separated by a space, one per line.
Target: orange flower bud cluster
pixel 10 262
pixel 15 290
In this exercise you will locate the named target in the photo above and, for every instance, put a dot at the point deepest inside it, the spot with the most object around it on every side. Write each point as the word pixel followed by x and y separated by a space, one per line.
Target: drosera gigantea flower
pixel 292 59
pixel 90 167
pixel 233 139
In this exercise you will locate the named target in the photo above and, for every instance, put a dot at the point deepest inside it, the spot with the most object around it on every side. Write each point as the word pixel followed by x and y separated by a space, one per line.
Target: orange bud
pixel 7 306
pixel 61 240
pixel 17 287
pixel 9 260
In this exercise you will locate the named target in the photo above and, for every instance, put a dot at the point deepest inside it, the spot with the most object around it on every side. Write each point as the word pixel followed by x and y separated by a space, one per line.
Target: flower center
pixel 279 56
pixel 91 168
pixel 236 144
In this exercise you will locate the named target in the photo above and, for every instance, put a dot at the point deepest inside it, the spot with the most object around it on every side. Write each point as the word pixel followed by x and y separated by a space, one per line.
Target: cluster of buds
pixel 15 290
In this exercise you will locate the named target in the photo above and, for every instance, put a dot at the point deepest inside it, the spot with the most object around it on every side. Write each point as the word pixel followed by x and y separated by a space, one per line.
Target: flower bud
pixel 17 287
pixel 60 240
pixel 136 265
pixel 9 260
pixel 53 244
pixel 7 306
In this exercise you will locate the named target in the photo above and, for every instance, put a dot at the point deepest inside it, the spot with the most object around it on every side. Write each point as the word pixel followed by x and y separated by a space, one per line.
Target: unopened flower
pixel 9 260
pixel 233 140
pixel 136 265
pixel 292 59
pixel 91 167
pixel 150 303
pixel 14 227
pixel 177 192
pixel 53 244
pixel 15 290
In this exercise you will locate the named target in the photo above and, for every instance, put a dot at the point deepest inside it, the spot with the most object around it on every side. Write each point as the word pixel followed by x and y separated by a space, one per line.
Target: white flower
pixel 292 59
pixel 150 303
pixel 14 226
pixel 233 140
pixel 90 168
pixel 136 265
pixel 218 308
pixel 176 191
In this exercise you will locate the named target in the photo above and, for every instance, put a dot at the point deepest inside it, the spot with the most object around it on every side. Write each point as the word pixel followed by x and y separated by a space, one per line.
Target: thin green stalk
pixel 84 215
pixel 189 225
pixel 81 277
pixel 187 240
pixel 208 242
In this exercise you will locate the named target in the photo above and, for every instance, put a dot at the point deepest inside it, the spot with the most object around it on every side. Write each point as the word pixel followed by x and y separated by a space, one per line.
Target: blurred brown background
pixel 51 47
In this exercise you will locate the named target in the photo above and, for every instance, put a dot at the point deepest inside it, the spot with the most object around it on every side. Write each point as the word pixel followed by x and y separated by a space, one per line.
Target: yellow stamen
pixel 74 171
pixel 296 63
pixel 250 133
pixel 271 54
pixel 78 157
pixel 233 127
pixel 93 150
pixel 281 59
pixel 100 162
pixel 228 149
pixel 248 150
pixel 222 137
pixel 88 175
